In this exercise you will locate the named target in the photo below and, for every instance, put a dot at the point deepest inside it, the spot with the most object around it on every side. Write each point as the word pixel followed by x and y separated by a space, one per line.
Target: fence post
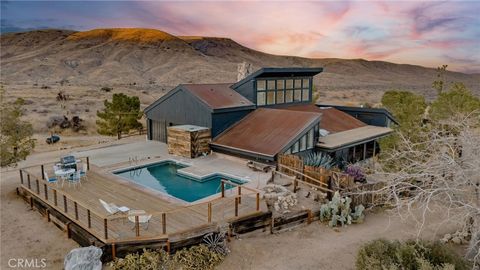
pixel 236 206
pixel 38 186
pixel 46 191
pixel 105 228
pixel 137 227
pixel 28 179
pixel 31 202
pixel 76 210
pixel 164 223
pixel 114 251
pixel 43 172
pixel 239 194
pixel 295 184
pixel 89 221
pixel 55 197
pixel 223 189
pixel 258 201
pixel 65 204
pixel 209 212
pixel 21 176
pixel 88 163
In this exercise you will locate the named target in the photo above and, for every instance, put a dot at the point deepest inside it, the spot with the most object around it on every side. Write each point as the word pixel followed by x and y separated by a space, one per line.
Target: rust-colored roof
pixel 218 96
pixel 333 120
pixel 266 131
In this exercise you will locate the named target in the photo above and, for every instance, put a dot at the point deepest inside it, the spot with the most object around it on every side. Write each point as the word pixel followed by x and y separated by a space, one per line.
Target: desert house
pixel 270 112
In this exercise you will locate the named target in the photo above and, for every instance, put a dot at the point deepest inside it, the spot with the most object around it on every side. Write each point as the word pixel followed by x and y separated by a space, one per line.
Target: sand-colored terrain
pixel 26 234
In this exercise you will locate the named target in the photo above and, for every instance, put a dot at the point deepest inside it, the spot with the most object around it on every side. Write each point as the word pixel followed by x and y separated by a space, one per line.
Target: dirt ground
pixel 26 234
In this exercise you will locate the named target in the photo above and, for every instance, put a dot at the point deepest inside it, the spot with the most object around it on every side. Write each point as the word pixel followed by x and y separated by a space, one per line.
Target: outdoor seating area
pixel 69 170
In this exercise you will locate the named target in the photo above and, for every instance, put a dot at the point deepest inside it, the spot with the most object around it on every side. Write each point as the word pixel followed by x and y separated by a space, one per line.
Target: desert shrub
pixel 318 159
pixel 195 257
pixel 338 211
pixel 106 89
pixel 385 254
pixel 356 172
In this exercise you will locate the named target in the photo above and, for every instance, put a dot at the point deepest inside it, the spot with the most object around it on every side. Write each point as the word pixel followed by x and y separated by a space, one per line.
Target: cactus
pixel 338 211
pixel 318 160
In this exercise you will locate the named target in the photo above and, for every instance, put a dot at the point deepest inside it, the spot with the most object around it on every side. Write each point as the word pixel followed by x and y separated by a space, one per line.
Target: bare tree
pixel 442 169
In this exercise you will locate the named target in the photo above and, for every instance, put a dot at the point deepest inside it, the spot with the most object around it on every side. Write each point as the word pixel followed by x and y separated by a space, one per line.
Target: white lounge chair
pixel 143 218
pixel 112 208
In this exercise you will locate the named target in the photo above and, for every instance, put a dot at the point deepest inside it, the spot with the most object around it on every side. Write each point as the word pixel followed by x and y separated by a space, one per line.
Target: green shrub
pixel 383 254
pixel 197 257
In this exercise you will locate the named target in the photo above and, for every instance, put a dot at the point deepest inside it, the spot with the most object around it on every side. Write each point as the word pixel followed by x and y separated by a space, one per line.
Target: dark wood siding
pixel 181 108
pixel 222 121
pixel 248 90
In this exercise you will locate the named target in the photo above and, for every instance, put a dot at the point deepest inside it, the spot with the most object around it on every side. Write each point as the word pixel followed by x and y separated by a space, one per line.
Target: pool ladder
pixel 136 171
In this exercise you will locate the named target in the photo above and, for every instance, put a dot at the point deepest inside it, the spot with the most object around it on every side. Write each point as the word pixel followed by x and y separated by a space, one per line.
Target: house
pixel 269 112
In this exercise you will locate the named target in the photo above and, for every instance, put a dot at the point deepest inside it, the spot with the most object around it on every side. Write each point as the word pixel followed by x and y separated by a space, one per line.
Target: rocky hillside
pixel 145 57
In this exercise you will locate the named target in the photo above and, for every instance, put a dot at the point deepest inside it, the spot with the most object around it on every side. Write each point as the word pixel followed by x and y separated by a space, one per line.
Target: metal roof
pixel 215 96
pixel 279 72
pixel 266 132
pixel 333 120
pixel 218 96
pixel 383 111
pixel 352 137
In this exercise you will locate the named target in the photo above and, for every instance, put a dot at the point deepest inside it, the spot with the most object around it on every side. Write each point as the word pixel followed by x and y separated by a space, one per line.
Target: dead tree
pixel 442 169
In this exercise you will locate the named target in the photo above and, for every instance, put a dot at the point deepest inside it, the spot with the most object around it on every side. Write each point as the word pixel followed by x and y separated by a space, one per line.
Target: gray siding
pixel 222 121
pixel 181 108
pixel 248 91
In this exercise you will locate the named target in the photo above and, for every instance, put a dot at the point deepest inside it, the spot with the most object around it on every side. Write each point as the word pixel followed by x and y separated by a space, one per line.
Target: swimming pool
pixel 164 177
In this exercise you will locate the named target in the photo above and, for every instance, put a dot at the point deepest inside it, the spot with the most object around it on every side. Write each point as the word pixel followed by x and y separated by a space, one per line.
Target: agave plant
pixel 317 159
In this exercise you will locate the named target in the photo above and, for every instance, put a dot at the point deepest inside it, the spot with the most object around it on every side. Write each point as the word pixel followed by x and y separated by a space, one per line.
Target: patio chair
pixel 75 179
pixel 84 170
pixel 112 208
pixel 143 218
pixel 50 180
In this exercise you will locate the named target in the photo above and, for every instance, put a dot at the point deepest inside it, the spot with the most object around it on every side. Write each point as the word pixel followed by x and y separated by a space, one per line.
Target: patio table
pixel 64 173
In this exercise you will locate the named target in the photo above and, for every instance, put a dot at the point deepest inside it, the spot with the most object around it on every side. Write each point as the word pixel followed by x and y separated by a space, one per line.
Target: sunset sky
pixel 426 33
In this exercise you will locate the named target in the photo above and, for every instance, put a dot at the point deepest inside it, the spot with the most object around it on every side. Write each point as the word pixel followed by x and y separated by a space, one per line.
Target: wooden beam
pixel 210 212
pixel 28 179
pixel 364 151
pixel 21 176
pixel 65 208
pixel 43 172
pixel 76 210
pixel 88 163
pixel 137 227
pixel 258 202
pixel 114 251
pixel 105 228
pixel 223 189
pixel 164 223
pixel 89 220
pixel 236 206
pixel 55 202
pixel 38 186
pixel 239 194
pixel 46 191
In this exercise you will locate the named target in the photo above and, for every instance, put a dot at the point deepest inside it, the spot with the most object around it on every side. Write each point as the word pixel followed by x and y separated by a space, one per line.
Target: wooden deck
pixel 170 218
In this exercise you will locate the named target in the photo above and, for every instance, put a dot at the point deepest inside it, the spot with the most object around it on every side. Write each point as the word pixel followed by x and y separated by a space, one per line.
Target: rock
pixel 87 258
pixel 448 236
pixel 457 240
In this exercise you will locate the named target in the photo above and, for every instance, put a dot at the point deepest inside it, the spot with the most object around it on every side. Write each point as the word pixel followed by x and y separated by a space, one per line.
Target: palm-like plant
pixel 317 159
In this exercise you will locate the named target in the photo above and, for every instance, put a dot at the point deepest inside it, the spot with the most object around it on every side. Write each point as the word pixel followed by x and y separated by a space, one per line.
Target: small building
pixel 269 112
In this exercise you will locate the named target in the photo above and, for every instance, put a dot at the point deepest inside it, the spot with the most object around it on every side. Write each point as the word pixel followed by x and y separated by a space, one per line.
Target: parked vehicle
pixel 53 139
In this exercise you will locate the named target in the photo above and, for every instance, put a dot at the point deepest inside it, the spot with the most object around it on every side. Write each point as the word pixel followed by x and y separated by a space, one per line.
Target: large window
pixel 281 91
pixel 306 142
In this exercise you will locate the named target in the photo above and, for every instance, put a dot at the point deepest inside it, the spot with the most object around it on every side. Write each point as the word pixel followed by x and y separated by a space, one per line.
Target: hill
pixel 147 57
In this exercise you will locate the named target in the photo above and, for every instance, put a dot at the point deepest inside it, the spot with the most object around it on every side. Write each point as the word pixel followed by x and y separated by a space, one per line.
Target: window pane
pixel 295 148
pixel 305 94
pixel 280 97
pixel 271 85
pixel 306 83
pixel 270 97
pixel 280 84
pixel 288 96
pixel 298 84
pixel 289 151
pixel 260 84
pixel 260 98
pixel 298 95
pixel 303 143
pixel 310 139
pixel 289 84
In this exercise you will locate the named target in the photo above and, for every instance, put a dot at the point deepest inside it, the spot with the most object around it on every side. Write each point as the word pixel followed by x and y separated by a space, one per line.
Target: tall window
pixel 306 142
pixel 280 91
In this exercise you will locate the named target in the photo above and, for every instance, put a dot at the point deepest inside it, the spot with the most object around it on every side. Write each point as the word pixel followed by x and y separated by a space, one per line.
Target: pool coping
pixel 115 172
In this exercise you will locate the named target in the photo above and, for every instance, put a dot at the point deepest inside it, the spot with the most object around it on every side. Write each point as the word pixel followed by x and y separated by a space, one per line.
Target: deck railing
pixel 233 201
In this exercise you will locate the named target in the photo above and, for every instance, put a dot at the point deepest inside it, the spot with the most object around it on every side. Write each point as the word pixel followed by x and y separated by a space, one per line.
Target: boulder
pixel 86 258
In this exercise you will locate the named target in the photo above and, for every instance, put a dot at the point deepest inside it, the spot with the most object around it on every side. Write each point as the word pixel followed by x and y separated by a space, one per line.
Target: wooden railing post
pixel 43 172
pixel 29 182
pixel 236 206
pixel 89 221
pixel 239 194
pixel 55 197
pixel 65 208
pixel 21 176
pixel 295 184
pixel 164 223
pixel 31 202
pixel 105 228
pixel 76 210
pixel 114 251
pixel 38 186
pixel 209 212
pixel 258 201
pixel 88 163
pixel 223 189
pixel 137 227
pixel 46 191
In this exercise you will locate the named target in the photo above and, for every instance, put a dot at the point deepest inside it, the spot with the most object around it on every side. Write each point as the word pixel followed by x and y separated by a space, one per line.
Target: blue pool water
pixel 164 178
